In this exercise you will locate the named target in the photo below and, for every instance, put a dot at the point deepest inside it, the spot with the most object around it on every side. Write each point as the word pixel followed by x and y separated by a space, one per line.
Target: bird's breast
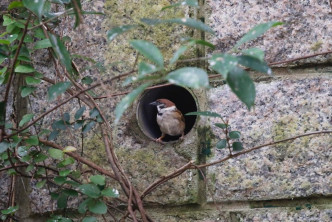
pixel 170 125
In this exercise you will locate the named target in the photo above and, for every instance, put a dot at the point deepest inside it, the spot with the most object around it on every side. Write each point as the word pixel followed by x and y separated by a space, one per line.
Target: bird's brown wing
pixel 182 122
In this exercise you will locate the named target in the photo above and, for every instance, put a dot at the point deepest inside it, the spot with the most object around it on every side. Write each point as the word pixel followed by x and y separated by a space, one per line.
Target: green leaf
pixel 77 11
pixel 221 144
pixel 32 81
pixel 71 192
pixel 87 127
pixel 26 118
pixel 22 151
pixel 60 180
pixel 27 90
pixel 193 3
pixel 204 113
pixel 84 206
pixel 32 140
pixel 149 50
pixel 10 210
pixel 242 85
pixel 24 69
pixel 40 158
pixel 255 64
pixel 36 6
pixel 146 68
pixel 66 162
pixel 202 42
pixel 114 32
pixel 234 134
pixel 98 179
pixel 237 146
pixel 108 192
pixel 256 32
pixel 87 80
pixel 91 190
pixel 62 201
pixel 12 38
pixel 79 113
pixel 254 52
pixel 4 42
pixel 56 154
pixel 7 20
pixel 223 63
pixel 89 219
pixel 192 23
pixel 64 173
pixel 4 146
pixel 97 207
pixel 40 184
pixel 61 52
pixel 15 4
pixel 42 44
pixel 59 125
pixel 57 89
pixel 221 125
pixel 179 53
pixel 78 124
pixel 128 100
pixel 190 77
pixel 94 112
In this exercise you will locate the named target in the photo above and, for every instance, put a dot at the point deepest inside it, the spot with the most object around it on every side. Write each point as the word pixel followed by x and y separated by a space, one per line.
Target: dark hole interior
pixel 146 114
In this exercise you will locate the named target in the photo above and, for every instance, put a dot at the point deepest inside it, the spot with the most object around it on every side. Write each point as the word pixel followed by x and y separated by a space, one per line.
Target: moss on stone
pixel 166 37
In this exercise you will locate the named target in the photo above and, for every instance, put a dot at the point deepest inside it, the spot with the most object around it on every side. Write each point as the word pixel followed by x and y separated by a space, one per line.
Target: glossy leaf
pixel 59 125
pixel 22 151
pixel 62 201
pixel 7 20
pixel 24 69
pixel 60 180
pixel 221 144
pixel 36 6
pixel 192 3
pixel 64 173
pixel 10 210
pixel 42 44
pixel 77 12
pixel 192 23
pixel 27 90
pixel 237 146
pixel 254 52
pixel 256 32
pixel 91 190
pixel 149 50
pixel 189 77
pixel 242 85
pixel 114 32
pixel 87 80
pixel 97 207
pixel 204 113
pixel 40 158
pixel 61 52
pixel 108 192
pixel 66 162
pixel 56 154
pixel 98 179
pixel 82 208
pixel 223 63
pixel 26 118
pixel 57 89
pixel 234 134
pixel 146 68
pixel 128 100
pixel 255 64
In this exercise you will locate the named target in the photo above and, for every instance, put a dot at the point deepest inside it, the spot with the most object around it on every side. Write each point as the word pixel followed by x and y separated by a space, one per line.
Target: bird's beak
pixel 153 103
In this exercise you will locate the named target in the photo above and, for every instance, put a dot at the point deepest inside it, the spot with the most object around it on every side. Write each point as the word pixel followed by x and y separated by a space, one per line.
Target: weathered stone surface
pixel 285 107
pixel 307 28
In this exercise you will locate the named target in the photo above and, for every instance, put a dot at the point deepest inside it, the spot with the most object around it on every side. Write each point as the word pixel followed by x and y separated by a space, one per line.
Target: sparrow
pixel 169 119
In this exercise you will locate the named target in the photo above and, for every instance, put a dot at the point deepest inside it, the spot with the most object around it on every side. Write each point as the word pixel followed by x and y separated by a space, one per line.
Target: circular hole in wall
pixel 147 114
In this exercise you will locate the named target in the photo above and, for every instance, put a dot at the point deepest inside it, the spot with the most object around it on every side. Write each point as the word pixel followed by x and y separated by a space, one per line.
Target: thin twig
pixel 261 146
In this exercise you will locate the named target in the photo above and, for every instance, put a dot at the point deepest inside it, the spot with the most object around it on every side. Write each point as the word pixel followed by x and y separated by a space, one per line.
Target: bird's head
pixel 163 104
